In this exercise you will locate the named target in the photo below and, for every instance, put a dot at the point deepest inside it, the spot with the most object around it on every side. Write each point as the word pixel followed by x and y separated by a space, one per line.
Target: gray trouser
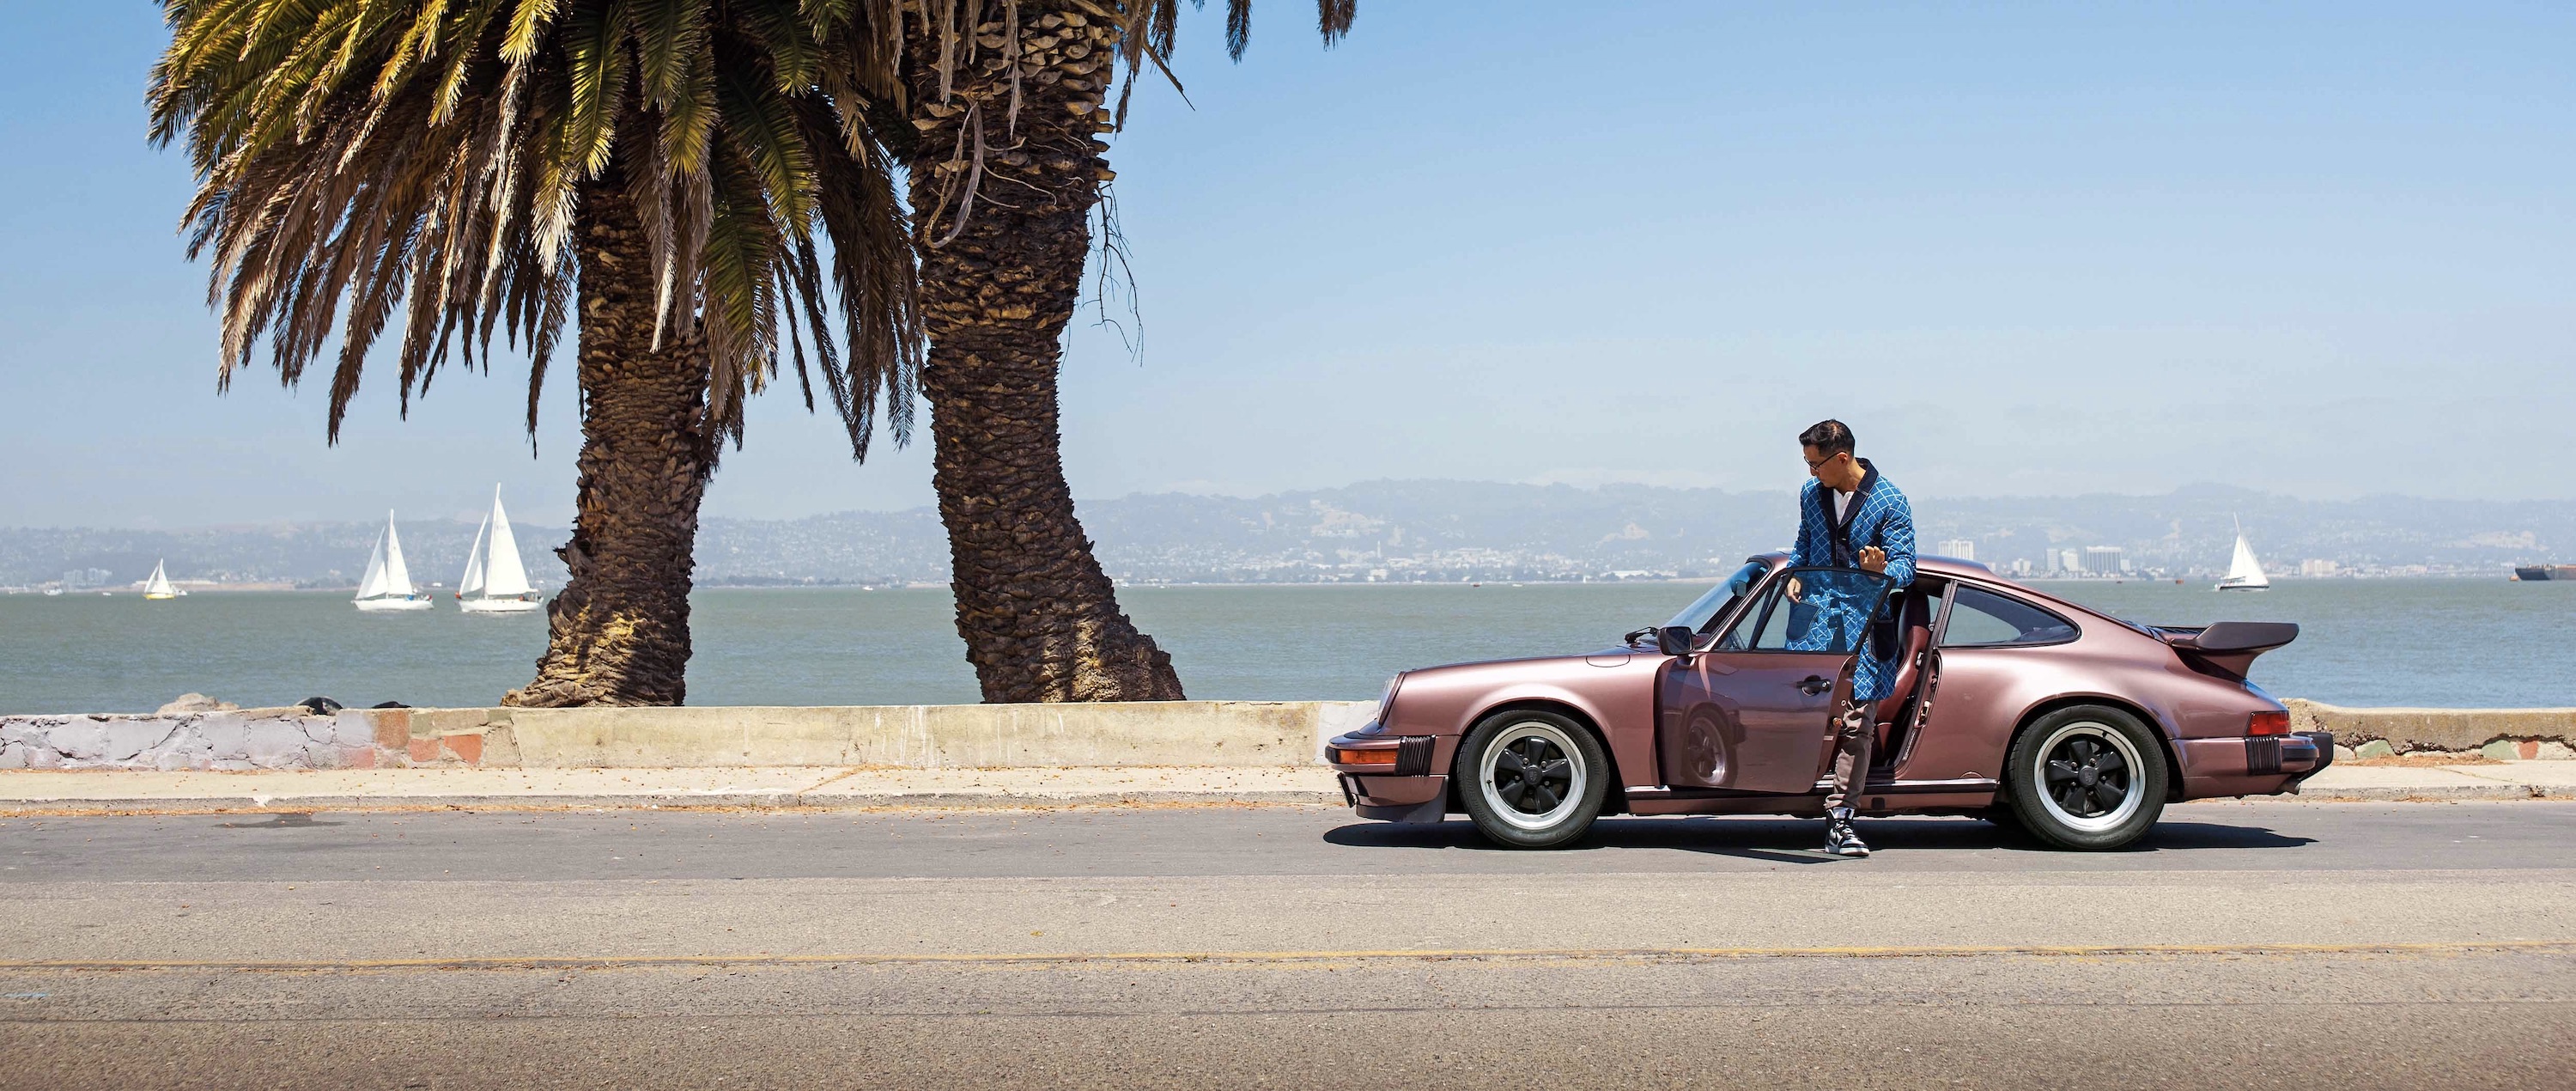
pixel 1853 736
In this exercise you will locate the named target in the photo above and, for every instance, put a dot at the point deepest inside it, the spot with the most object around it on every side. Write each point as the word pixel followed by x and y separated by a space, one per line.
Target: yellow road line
pixel 1035 957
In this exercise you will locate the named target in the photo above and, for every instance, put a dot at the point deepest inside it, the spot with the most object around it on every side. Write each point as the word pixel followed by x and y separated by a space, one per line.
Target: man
pixel 1849 517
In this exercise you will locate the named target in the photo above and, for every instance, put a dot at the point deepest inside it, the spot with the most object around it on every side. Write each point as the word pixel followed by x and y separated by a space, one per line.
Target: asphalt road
pixel 2247 945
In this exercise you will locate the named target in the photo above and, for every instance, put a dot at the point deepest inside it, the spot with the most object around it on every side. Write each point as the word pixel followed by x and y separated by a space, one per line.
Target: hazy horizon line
pixel 2206 487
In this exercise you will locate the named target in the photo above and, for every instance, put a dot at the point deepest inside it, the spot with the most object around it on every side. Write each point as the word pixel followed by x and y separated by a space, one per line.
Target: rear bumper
pixel 2325 744
pixel 2257 765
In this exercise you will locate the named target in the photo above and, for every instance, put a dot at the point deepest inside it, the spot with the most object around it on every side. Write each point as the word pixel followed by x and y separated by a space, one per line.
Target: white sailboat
pixel 158 587
pixel 2244 573
pixel 387 586
pixel 495 581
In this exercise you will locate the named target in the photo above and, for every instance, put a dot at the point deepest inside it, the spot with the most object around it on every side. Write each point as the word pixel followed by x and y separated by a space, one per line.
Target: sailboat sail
pixel 158 587
pixel 2244 573
pixel 397 574
pixel 374 582
pixel 387 585
pixel 504 576
pixel 496 581
pixel 472 584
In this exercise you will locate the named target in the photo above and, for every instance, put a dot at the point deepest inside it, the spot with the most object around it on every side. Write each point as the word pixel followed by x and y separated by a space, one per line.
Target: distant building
pixel 2103 560
pixel 1962 548
pixel 78 578
pixel 2315 567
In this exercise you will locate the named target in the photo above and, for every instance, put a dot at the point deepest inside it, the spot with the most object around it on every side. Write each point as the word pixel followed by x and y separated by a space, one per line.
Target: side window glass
pixel 1765 626
pixel 1809 610
pixel 1985 619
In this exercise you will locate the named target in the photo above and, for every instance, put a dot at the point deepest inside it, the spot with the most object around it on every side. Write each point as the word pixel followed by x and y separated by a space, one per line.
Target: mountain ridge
pixel 1405 529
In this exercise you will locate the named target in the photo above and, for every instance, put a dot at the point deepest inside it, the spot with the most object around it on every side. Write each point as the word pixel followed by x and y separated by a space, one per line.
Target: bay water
pixel 2425 642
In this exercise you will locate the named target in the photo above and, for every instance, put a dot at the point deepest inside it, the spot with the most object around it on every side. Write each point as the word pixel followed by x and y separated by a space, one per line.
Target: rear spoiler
pixel 2228 647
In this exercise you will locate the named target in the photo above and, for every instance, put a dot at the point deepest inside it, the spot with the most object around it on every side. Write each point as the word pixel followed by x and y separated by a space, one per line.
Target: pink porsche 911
pixel 2010 705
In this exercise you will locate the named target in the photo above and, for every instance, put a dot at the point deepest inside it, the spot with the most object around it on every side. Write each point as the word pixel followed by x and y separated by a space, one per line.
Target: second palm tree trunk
pixel 620 627
pixel 1004 175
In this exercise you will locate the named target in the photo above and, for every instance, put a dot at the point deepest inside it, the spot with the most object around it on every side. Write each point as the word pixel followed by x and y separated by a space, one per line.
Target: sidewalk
pixel 122 791
pixel 135 791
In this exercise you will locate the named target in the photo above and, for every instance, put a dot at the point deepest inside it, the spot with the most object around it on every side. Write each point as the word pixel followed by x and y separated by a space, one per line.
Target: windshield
pixel 1707 607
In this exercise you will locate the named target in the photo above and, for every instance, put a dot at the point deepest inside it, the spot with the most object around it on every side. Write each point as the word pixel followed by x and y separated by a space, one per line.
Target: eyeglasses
pixel 1813 464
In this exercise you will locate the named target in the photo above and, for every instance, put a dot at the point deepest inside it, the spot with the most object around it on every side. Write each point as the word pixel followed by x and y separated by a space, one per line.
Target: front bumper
pixel 1403 789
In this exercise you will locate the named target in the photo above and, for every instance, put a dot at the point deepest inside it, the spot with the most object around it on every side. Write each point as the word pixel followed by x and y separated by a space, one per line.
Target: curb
pixel 874 801
pixel 2432 793
pixel 673 801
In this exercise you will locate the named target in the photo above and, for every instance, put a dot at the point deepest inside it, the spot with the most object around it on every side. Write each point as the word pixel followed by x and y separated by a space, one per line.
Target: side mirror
pixel 1674 639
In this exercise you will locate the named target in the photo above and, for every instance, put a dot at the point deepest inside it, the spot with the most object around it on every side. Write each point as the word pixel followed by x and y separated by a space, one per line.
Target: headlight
pixel 1386 701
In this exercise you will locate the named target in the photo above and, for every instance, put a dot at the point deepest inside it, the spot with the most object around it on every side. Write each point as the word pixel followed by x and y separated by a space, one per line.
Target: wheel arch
pixel 2155 726
pixel 1615 801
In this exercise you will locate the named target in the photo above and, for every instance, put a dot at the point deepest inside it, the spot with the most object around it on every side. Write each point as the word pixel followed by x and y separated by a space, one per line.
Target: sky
pixel 2320 249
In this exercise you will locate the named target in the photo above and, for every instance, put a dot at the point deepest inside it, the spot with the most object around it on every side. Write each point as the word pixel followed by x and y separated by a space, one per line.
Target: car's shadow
pixel 1794 841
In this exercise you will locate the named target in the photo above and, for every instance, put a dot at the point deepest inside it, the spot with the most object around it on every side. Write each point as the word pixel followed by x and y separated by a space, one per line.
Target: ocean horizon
pixel 2432 642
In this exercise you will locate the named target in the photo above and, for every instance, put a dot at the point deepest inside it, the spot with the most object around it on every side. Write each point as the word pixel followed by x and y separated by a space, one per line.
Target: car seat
pixel 1914 629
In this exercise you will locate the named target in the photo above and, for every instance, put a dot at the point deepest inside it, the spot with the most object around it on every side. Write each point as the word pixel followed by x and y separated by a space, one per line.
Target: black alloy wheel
pixel 2086 777
pixel 1531 780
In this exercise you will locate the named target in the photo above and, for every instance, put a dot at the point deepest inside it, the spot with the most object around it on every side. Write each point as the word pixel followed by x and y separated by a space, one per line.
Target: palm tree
pixel 1007 99
pixel 656 171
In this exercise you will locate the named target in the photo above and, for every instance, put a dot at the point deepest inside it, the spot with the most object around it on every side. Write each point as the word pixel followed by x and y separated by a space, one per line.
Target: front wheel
pixel 2086 777
pixel 1531 780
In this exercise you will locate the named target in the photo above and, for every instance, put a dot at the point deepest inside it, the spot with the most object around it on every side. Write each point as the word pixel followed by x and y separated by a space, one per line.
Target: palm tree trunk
pixel 620 627
pixel 1003 191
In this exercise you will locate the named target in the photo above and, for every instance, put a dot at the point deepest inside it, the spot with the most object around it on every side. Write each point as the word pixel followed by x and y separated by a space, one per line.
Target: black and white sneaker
pixel 1840 838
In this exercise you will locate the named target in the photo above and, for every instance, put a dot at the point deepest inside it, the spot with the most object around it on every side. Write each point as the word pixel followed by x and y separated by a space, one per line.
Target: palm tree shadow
pixel 1795 841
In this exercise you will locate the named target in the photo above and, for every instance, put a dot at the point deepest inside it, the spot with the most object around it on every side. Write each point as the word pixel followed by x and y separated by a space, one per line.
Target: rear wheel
pixel 2086 777
pixel 1531 780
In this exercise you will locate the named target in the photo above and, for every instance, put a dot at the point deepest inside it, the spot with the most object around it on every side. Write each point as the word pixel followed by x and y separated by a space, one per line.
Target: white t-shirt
pixel 1838 500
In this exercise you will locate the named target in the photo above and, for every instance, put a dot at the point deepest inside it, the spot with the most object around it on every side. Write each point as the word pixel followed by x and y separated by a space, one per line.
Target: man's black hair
pixel 1829 438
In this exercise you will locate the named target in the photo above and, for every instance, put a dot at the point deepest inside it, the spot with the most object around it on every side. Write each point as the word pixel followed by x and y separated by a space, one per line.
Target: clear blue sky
pixel 2325 249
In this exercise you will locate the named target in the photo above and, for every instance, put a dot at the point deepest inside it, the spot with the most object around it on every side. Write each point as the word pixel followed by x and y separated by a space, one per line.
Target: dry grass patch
pixel 2425 760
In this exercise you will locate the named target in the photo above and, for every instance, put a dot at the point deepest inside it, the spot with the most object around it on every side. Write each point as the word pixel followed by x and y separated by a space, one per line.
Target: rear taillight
pixel 2268 723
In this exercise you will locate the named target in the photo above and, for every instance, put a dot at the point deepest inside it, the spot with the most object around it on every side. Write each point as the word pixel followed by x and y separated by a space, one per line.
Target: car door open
pixel 1750 708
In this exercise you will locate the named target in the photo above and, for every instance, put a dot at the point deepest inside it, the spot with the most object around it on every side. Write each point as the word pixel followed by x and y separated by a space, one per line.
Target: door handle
pixel 1814 684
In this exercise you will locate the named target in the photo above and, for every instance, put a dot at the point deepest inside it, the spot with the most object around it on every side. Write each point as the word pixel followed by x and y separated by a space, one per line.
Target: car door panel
pixel 1752 711
pixel 1748 721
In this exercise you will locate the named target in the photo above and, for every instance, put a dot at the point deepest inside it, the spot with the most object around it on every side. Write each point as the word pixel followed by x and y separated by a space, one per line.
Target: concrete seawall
pixel 2506 734
pixel 1161 733
pixel 1247 734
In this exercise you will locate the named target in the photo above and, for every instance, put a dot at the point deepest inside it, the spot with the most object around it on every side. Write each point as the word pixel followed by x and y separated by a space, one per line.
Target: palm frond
pixel 367 162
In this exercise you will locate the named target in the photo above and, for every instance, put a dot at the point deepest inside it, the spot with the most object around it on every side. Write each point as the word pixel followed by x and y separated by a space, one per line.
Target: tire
pixel 2088 777
pixel 1531 780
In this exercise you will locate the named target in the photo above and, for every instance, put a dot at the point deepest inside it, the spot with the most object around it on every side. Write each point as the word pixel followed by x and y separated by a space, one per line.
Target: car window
pixel 1706 609
pixel 1809 610
pixel 1985 619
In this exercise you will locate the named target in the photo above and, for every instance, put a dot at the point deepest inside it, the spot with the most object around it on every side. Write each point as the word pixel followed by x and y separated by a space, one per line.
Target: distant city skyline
pixel 2319 249
pixel 1418 531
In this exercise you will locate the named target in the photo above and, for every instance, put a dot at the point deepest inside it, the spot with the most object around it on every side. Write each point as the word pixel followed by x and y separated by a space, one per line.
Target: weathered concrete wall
pixel 251 738
pixel 935 736
pixel 1174 733
pixel 1220 733
pixel 2505 733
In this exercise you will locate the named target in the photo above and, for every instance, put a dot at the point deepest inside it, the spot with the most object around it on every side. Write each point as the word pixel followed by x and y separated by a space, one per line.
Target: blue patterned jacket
pixel 1877 516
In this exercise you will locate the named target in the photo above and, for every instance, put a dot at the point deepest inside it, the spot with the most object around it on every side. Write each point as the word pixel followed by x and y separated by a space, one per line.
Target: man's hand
pixel 1873 559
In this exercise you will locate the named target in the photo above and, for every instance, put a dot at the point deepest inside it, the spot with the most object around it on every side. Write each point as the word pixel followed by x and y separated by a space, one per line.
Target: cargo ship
pixel 2544 572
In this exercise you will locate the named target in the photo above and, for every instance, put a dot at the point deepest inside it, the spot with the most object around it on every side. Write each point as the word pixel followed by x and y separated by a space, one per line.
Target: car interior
pixel 1914 607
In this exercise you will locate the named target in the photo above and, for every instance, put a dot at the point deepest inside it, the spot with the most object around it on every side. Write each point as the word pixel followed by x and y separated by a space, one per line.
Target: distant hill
pixel 1406 530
